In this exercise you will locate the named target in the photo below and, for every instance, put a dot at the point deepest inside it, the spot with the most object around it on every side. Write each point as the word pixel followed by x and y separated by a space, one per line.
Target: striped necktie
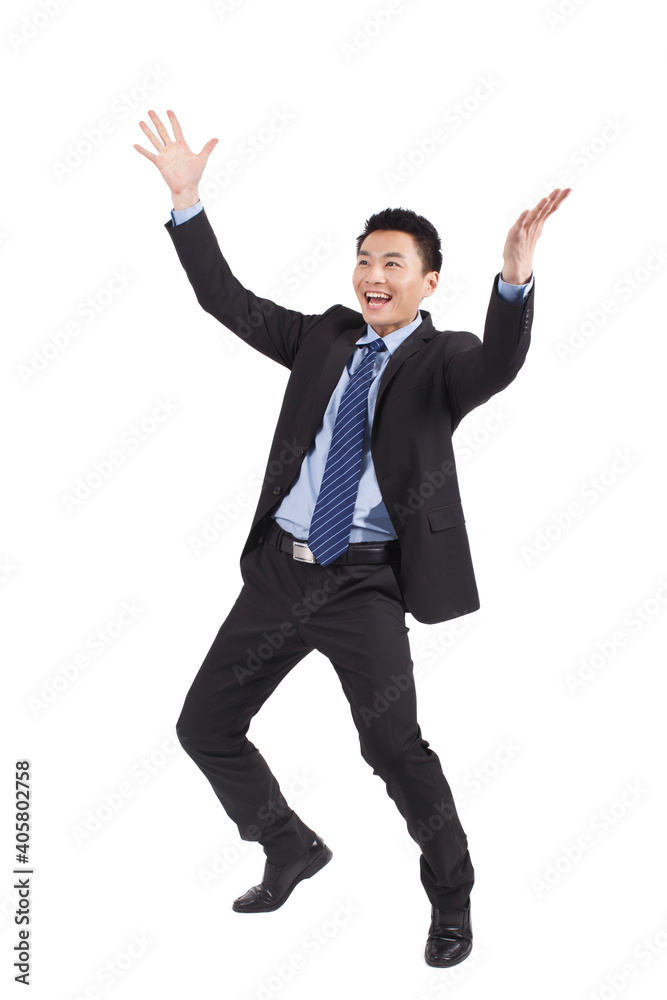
pixel 331 522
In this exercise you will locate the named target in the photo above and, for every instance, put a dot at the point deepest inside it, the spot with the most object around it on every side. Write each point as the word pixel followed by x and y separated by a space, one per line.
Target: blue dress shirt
pixel 370 521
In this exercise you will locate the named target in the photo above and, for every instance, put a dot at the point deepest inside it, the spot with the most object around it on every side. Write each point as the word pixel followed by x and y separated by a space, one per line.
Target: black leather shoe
pixel 450 942
pixel 279 880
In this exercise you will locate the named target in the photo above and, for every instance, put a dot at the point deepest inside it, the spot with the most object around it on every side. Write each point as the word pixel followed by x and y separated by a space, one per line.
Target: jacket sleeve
pixel 474 369
pixel 271 329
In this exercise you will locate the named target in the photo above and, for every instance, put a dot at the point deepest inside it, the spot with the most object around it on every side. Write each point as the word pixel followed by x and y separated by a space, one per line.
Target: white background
pixel 361 97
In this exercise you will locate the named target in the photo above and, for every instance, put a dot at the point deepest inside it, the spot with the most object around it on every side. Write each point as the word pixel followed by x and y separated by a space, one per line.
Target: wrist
pixel 185 199
pixel 516 274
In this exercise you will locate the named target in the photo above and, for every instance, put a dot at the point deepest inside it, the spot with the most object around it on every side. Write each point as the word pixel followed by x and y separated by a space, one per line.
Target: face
pixel 388 263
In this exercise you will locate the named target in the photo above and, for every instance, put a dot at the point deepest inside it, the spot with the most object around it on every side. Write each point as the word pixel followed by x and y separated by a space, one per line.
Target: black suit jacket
pixel 430 382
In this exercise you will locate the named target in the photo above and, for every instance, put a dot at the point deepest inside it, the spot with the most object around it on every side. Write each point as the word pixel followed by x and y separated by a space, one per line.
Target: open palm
pixel 522 237
pixel 181 168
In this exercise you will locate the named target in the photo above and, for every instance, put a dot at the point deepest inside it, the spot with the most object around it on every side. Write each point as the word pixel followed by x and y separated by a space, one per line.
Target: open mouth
pixel 377 300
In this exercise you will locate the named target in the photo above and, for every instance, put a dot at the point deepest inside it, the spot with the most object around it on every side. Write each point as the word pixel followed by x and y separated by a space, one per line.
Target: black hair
pixel 405 220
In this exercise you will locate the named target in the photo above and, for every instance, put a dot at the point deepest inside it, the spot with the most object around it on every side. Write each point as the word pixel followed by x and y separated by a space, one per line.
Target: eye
pixel 394 262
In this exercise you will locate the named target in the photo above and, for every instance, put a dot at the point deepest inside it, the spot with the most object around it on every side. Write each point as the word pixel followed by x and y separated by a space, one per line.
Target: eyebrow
pixel 389 253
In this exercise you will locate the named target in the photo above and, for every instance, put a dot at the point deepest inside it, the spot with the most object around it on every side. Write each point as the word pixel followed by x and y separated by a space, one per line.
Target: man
pixel 359 520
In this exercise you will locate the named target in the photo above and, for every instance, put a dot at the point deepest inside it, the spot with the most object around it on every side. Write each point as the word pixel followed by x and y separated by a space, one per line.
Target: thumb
pixel 208 148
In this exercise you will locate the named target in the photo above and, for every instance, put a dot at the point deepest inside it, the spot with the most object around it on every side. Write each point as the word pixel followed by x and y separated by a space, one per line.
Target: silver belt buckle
pixel 305 554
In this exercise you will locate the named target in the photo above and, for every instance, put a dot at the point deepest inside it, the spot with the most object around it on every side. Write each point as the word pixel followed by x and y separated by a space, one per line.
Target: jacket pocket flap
pixel 446 517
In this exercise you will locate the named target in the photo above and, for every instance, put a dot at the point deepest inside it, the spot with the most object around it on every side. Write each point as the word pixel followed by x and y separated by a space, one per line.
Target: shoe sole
pixel 315 866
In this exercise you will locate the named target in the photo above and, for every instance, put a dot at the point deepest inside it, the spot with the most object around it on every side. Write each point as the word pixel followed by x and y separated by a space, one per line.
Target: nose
pixel 375 274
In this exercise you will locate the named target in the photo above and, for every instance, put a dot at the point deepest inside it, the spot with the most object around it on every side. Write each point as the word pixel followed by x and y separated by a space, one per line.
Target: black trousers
pixel 353 614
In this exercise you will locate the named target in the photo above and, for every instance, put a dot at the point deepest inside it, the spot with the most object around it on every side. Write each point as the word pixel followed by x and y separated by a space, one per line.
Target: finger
pixel 516 228
pixel 558 200
pixel 527 218
pixel 542 209
pixel 149 156
pixel 162 132
pixel 151 135
pixel 541 215
pixel 178 135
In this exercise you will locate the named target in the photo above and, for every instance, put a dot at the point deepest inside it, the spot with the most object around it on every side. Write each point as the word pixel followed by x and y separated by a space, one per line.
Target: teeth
pixel 377 295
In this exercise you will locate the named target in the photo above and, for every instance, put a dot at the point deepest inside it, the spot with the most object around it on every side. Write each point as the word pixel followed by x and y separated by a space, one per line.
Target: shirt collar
pixel 391 340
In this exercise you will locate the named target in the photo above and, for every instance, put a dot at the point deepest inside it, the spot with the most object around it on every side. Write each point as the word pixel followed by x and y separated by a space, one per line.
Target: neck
pixel 393 329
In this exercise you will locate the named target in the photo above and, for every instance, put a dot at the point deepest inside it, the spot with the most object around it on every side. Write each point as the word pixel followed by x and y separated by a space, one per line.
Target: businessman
pixel 359 519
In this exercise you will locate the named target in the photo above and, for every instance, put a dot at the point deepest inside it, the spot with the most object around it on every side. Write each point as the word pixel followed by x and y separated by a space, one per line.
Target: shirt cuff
pixel 179 215
pixel 514 293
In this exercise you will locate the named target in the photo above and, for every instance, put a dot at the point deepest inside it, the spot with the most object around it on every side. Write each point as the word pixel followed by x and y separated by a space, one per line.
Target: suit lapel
pixel 345 345
pixel 413 343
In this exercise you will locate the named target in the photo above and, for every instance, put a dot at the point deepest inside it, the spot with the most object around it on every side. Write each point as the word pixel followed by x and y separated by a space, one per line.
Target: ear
pixel 431 280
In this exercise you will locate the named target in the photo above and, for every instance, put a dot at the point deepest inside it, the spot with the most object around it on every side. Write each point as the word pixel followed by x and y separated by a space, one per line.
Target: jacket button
pixel 302 451
pixel 277 490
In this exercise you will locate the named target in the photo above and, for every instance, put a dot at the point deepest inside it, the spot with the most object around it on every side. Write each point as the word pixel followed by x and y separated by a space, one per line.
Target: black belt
pixel 357 552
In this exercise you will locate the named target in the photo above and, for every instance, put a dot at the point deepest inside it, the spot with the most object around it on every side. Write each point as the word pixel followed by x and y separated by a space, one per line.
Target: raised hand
pixel 522 237
pixel 180 167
